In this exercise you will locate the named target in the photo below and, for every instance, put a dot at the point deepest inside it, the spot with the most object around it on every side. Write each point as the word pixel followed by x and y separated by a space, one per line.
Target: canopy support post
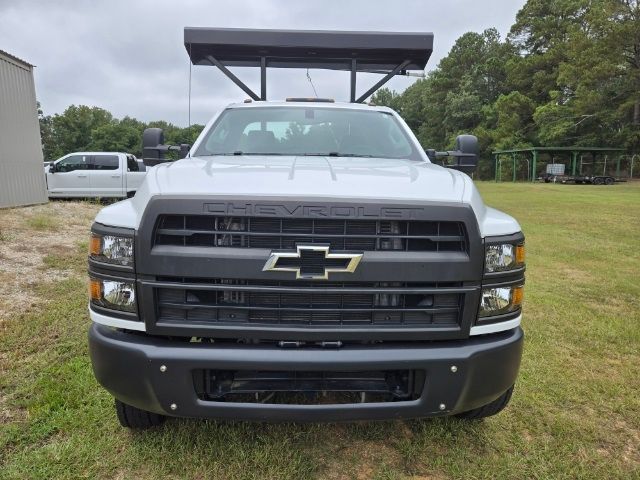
pixel 380 82
pixel 354 69
pixel 263 78
pixel 233 78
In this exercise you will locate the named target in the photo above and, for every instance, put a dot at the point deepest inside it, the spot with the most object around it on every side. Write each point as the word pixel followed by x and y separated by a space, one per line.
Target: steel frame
pixel 536 151
pixel 398 70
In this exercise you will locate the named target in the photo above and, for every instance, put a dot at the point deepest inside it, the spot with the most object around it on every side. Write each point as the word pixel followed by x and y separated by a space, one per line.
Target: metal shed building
pixel 21 165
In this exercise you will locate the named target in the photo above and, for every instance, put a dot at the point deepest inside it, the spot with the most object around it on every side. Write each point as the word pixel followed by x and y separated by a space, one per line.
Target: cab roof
pixel 309 104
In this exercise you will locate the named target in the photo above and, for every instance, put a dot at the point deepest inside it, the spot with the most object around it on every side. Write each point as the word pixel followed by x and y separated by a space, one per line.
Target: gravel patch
pixel 27 236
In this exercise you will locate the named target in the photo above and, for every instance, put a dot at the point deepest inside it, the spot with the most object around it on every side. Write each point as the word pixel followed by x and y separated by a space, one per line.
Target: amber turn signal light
pixel 95 289
pixel 95 245
pixel 520 254
pixel 518 296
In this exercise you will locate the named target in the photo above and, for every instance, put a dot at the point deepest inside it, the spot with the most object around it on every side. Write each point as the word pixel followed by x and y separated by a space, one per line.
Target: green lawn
pixel 575 412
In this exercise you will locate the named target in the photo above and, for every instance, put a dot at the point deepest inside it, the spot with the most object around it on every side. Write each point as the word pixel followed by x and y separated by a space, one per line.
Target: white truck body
pixel 309 177
pixel 94 174
pixel 298 177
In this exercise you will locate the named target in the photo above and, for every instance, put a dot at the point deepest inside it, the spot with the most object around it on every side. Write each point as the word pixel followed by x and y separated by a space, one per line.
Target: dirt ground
pixel 29 236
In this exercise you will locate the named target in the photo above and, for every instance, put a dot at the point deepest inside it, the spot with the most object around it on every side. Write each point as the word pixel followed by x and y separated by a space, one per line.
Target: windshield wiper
pixel 332 154
pixel 239 153
pixel 218 154
pixel 338 154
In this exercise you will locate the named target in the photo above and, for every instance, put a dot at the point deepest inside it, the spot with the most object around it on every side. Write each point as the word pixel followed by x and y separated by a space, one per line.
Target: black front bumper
pixel 128 366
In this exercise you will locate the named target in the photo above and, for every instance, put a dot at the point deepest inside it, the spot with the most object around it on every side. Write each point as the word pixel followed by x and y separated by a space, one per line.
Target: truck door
pixel 107 176
pixel 71 177
pixel 134 175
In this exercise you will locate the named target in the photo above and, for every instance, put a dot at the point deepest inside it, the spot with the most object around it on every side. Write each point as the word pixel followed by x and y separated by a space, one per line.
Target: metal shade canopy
pixel 390 53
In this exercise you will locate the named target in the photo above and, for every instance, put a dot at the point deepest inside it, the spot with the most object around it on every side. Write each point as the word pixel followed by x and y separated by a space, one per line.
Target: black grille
pixel 285 233
pixel 308 303
pixel 308 387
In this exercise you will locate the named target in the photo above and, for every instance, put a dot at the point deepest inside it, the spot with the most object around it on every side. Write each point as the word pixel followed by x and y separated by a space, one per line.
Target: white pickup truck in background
pixel 94 174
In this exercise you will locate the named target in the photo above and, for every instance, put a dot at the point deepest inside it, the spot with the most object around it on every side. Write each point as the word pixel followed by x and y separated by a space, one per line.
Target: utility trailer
pixel 582 179
pixel 593 180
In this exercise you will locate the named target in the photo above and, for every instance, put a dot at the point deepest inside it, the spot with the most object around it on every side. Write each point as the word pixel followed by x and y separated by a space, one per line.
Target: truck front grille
pixel 308 387
pixel 285 233
pixel 205 269
pixel 239 302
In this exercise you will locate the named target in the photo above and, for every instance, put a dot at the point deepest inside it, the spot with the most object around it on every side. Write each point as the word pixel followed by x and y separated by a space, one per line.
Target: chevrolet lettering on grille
pixel 312 262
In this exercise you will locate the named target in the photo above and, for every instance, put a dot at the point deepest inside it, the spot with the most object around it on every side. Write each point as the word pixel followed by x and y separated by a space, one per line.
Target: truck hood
pixel 308 177
pixel 300 176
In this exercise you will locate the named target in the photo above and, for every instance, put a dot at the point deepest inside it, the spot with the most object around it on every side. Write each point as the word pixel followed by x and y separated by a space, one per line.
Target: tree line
pixel 567 74
pixel 83 128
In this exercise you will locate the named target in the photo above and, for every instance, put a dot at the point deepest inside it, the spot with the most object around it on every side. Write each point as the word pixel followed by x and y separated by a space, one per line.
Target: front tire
pixel 489 409
pixel 135 418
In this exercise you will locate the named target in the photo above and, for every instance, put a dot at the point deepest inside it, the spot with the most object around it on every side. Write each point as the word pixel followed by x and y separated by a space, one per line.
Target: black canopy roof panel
pixel 390 53
pixel 374 51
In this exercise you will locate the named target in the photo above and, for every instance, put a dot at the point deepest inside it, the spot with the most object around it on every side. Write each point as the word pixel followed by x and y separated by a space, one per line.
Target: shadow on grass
pixel 299 450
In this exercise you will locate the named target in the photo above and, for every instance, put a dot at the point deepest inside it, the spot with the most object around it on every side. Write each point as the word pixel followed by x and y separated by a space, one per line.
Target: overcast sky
pixel 128 56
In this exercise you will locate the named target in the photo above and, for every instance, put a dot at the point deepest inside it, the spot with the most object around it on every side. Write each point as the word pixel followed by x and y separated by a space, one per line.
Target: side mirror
pixel 52 168
pixel 468 161
pixel 152 138
pixel 465 154
pixel 154 149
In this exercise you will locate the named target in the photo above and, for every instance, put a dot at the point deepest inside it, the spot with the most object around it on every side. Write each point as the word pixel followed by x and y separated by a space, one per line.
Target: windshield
pixel 307 131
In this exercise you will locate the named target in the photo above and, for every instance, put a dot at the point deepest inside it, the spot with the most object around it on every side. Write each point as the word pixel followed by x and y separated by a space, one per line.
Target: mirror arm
pixel 162 149
pixel 465 157
pixel 454 153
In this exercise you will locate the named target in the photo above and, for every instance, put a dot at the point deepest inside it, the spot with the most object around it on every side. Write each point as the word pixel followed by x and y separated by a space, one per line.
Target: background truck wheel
pixel 609 181
pixel 598 181
pixel 132 417
pixel 489 409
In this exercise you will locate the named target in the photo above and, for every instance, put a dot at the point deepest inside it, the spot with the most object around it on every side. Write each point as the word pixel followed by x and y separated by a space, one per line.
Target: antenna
pixel 190 67
pixel 312 85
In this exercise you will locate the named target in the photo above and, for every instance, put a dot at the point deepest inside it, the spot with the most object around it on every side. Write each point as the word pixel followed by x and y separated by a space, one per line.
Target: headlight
pixel 503 257
pixel 115 295
pixel 111 249
pixel 501 300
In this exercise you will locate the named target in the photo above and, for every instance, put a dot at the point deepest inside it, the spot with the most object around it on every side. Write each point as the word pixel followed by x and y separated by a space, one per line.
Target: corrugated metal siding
pixel 21 169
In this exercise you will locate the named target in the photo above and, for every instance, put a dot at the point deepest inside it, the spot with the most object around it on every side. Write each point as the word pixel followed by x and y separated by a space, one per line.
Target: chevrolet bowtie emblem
pixel 312 262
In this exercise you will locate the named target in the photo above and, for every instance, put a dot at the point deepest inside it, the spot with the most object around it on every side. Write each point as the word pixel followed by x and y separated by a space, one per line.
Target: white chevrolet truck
pixel 308 260
pixel 94 174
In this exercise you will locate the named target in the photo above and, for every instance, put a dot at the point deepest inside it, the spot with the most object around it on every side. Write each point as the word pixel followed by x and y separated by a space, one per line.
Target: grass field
pixel 575 412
